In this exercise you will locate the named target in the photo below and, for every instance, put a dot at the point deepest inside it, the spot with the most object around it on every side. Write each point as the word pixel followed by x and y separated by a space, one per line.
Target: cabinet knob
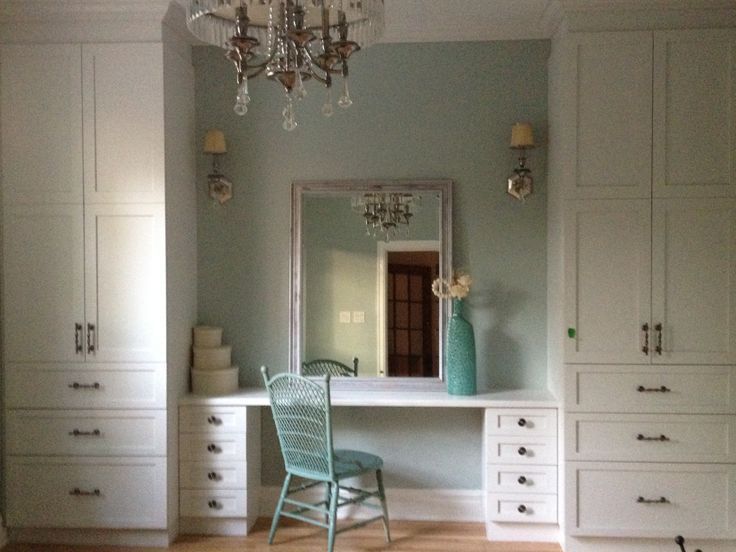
pixel 521 422
pixel 213 448
pixel 522 480
pixel 212 476
pixel 213 504
pixel 521 509
pixel 213 420
pixel 522 451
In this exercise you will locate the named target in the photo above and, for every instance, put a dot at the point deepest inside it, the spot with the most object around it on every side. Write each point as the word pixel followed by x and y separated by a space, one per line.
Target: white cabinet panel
pixel 521 421
pixel 123 123
pixel 695 81
pixel 222 448
pixel 694 280
pixel 41 131
pixel 522 450
pixel 607 280
pixel 219 503
pixel 671 389
pixel 528 508
pixel 651 500
pixel 86 492
pixel 521 479
pixel 44 282
pixel 212 475
pixel 90 385
pixel 651 437
pixel 125 292
pixel 212 419
pixel 87 432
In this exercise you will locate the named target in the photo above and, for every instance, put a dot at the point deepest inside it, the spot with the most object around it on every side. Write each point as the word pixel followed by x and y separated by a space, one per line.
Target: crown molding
pixel 38 11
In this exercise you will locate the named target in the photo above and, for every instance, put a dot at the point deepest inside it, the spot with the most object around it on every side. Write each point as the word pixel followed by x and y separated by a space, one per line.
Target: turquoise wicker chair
pixel 301 411
pixel 323 366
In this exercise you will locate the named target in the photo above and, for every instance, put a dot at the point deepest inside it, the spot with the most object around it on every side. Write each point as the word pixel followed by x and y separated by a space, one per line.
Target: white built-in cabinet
pixel 84 285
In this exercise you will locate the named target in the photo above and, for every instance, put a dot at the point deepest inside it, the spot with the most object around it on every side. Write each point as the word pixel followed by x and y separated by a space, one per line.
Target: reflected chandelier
pixel 288 41
pixel 386 213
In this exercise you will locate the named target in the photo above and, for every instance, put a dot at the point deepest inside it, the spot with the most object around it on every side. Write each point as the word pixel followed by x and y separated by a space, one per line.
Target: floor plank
pixel 408 536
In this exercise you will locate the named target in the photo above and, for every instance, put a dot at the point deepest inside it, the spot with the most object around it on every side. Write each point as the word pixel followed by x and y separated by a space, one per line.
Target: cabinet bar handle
pixel 521 509
pixel 522 451
pixel 645 329
pixel 80 433
pixel 661 438
pixel 658 329
pixel 661 389
pixel 91 338
pixel 76 491
pixel 521 480
pixel 78 386
pixel 78 347
pixel 660 500
pixel 214 420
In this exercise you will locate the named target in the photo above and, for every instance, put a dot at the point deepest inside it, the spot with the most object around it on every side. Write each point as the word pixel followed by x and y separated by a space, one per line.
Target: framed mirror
pixel 364 255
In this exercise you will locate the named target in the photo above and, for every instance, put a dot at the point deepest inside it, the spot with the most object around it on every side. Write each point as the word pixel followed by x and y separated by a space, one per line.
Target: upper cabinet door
pixel 695 113
pixel 607 280
pixel 123 123
pixel 611 115
pixel 125 268
pixel 43 294
pixel 41 129
pixel 694 281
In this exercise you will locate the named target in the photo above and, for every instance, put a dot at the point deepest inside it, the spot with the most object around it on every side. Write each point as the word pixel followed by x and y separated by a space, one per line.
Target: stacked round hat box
pixel 212 370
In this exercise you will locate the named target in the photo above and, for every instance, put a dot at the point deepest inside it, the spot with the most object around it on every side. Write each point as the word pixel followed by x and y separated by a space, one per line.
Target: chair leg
pixel 328 495
pixel 279 506
pixel 382 496
pixel 334 494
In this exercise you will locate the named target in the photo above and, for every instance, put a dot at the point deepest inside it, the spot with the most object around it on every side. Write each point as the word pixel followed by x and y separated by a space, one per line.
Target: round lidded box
pixel 212 358
pixel 215 382
pixel 207 336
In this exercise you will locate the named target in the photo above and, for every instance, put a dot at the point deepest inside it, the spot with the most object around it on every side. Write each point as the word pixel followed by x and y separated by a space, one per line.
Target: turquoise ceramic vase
pixel 460 351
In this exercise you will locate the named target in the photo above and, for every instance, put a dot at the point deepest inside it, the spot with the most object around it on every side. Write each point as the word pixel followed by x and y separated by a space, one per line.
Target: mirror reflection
pixel 368 256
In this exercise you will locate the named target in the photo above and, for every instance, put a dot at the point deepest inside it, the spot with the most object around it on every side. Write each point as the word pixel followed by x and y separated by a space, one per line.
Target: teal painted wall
pixel 420 111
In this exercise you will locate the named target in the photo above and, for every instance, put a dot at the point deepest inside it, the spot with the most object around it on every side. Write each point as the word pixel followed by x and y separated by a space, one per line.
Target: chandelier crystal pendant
pixel 386 214
pixel 288 41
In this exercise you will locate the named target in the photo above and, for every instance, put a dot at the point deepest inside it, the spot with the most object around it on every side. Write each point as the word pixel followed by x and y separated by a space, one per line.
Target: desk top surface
pixel 517 398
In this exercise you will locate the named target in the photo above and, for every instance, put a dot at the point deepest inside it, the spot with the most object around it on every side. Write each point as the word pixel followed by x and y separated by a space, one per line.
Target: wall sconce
pixel 521 184
pixel 220 188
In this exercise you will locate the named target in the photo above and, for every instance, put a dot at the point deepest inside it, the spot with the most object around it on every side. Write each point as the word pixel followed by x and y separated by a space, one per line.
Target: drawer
pixel 674 389
pixel 86 432
pixel 651 437
pixel 521 421
pixel 110 493
pixel 203 447
pixel 135 386
pixel 651 500
pixel 522 508
pixel 521 450
pixel 212 419
pixel 521 479
pixel 219 503
pixel 212 475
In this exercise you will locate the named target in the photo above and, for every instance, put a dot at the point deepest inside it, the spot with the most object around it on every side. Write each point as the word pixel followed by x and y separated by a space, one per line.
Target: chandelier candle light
pixel 386 213
pixel 288 41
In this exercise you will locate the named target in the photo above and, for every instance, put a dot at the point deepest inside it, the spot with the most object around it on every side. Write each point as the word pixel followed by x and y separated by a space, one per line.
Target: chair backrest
pixel 301 411
pixel 323 366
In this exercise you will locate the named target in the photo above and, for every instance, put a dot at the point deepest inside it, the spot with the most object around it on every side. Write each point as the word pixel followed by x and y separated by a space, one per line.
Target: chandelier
pixel 288 41
pixel 386 214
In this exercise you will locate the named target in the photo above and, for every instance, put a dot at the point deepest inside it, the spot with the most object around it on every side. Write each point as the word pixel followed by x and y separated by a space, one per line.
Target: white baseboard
pixel 110 537
pixel 230 527
pixel 408 504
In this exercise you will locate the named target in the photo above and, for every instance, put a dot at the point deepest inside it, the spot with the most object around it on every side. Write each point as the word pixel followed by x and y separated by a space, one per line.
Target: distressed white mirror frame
pixel 326 187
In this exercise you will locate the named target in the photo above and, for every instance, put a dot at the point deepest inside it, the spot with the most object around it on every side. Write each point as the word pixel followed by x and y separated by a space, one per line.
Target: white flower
pixel 457 287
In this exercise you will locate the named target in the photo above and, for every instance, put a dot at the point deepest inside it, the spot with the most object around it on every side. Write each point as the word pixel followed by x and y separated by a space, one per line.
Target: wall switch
pixel 344 317
pixel 358 317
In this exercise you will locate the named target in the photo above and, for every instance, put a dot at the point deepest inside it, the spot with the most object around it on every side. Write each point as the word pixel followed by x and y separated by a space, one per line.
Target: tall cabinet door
pixel 695 81
pixel 41 131
pixel 123 123
pixel 607 280
pixel 694 280
pixel 43 283
pixel 125 292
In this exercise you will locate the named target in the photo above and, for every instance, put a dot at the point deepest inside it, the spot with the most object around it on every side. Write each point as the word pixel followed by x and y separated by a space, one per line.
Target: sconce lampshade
pixel 214 142
pixel 522 136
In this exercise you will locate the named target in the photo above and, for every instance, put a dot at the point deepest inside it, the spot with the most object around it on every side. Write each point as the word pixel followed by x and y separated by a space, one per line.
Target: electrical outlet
pixel 358 317
pixel 344 317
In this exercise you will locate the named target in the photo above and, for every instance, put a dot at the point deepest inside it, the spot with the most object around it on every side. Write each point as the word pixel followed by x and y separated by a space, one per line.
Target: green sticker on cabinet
pixel 571 333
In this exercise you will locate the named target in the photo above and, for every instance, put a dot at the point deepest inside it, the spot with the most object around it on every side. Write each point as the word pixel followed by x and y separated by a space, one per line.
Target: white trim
pixel 407 504
pixel 108 537
pixel 382 249
pixel 229 527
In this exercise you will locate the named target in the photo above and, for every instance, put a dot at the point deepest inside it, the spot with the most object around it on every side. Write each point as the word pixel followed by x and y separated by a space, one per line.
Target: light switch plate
pixel 345 317
pixel 358 317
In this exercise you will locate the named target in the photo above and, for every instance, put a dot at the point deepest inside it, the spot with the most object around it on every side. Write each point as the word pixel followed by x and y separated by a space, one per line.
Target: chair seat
pixel 354 462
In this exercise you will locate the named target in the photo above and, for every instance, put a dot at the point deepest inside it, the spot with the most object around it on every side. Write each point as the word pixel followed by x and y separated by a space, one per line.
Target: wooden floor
pixel 408 536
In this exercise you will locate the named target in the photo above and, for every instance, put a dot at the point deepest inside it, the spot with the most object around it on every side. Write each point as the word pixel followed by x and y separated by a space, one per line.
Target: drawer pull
pixel 521 422
pixel 522 480
pixel 660 500
pixel 521 509
pixel 661 438
pixel 76 491
pixel 91 338
pixel 77 385
pixel 79 433
pixel 522 451
pixel 78 347
pixel 213 448
pixel 645 347
pixel 214 505
pixel 661 389
pixel 214 420
pixel 658 329
pixel 680 541
pixel 213 476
